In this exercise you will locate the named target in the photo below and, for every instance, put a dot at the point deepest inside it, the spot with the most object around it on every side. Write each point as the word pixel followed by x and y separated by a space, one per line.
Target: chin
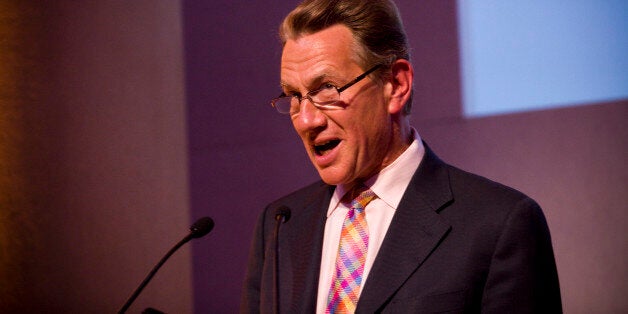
pixel 331 178
pixel 329 181
pixel 327 177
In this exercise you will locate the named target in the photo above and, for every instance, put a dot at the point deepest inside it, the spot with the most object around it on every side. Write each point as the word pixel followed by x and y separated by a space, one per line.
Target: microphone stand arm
pixel 152 273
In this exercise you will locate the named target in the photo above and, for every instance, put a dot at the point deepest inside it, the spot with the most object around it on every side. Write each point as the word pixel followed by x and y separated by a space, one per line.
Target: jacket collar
pixel 416 229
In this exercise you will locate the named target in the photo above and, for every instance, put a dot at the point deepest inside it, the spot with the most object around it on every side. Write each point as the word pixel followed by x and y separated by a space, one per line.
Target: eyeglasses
pixel 326 97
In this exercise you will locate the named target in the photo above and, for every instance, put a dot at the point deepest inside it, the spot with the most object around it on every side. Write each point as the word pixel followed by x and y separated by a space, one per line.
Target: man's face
pixel 353 142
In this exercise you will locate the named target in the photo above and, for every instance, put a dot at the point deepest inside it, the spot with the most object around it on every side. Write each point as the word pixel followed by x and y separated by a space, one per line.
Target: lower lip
pixel 328 158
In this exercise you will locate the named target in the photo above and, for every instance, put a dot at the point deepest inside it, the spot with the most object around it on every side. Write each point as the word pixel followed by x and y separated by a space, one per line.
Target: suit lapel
pixel 415 231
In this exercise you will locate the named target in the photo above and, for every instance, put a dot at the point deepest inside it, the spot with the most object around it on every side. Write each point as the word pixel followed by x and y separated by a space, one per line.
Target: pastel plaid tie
pixel 354 239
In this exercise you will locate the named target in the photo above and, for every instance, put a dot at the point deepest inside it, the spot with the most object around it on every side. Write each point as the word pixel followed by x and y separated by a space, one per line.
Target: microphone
pixel 282 215
pixel 199 229
pixel 282 212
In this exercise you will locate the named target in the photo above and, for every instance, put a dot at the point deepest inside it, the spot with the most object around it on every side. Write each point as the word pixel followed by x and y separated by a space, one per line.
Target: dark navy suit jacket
pixel 458 243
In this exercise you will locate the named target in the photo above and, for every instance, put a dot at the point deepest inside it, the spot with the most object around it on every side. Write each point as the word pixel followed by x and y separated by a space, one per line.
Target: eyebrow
pixel 314 81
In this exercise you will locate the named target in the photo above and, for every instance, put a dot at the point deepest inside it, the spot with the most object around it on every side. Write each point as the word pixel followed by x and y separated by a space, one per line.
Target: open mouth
pixel 324 148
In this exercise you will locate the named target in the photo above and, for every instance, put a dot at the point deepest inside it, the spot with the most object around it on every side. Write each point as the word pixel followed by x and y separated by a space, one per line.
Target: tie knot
pixel 365 196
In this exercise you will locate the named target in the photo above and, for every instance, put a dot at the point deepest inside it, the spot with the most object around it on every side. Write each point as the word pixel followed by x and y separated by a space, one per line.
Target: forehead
pixel 329 52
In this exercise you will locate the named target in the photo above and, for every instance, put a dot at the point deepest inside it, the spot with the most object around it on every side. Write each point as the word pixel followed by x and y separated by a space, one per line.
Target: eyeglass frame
pixel 283 95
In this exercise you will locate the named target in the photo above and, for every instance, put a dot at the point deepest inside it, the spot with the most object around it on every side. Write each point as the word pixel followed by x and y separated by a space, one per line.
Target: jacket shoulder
pixel 304 195
pixel 470 186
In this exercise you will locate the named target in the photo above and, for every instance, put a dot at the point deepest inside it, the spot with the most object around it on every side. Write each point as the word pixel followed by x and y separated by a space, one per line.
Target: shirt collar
pixel 390 184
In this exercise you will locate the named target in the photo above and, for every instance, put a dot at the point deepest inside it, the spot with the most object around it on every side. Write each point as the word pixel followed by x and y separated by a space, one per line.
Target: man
pixel 390 228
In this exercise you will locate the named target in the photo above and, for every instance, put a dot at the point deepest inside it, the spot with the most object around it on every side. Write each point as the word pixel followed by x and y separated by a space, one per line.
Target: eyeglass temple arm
pixel 357 79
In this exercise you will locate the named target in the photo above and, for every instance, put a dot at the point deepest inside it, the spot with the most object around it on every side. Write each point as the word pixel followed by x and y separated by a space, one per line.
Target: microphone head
pixel 201 227
pixel 282 212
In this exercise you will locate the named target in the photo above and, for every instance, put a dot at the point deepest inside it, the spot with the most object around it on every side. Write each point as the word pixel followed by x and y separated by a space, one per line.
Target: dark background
pixel 123 122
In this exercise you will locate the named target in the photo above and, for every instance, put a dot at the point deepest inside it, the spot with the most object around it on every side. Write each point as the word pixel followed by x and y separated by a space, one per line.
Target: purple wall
pixel 92 113
pixel 243 154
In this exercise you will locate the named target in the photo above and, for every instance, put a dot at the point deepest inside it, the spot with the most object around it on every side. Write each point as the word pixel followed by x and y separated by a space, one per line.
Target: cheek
pixel 298 128
pixel 375 135
pixel 372 124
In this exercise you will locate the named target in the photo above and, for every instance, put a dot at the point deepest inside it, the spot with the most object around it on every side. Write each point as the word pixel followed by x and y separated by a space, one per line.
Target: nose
pixel 309 117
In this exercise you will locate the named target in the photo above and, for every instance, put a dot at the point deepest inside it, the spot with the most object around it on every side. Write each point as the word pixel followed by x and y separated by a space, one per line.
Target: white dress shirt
pixel 389 185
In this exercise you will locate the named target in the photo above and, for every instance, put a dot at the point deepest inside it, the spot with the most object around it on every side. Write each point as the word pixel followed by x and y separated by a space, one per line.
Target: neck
pixel 401 138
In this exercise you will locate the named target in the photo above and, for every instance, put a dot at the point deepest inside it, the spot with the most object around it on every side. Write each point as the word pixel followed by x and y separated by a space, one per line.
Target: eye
pixel 325 87
pixel 296 95
pixel 328 86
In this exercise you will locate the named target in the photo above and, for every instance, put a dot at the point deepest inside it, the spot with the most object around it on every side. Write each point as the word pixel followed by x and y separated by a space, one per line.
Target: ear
pixel 401 80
